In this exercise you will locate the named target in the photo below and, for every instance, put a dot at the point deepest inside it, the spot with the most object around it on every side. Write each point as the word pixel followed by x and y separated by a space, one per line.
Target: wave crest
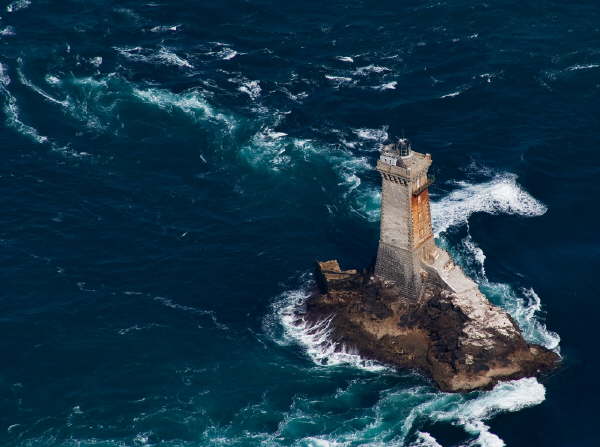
pixel 288 311
pixel 192 103
pixel 501 195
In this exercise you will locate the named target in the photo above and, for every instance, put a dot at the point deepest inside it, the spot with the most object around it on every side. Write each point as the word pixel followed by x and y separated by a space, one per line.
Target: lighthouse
pixel 406 236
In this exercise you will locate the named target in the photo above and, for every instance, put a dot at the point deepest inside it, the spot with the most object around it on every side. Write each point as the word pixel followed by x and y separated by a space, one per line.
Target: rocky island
pixel 416 308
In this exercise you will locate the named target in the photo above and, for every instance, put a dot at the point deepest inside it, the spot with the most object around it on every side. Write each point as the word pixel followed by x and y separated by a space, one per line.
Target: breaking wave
pixel 315 339
pixel 339 81
pixel 18 5
pixel 192 103
pixel 163 56
pixel 376 135
pixel 363 71
pixel 165 28
pixel 501 195
pixel 505 397
pixel 8 31
pixel 399 415
pixel 387 86
pixel 251 88
pixel 270 148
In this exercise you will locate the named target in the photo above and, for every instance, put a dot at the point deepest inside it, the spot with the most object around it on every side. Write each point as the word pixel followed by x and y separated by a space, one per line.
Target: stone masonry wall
pixel 400 265
pixel 406 235
pixel 395 214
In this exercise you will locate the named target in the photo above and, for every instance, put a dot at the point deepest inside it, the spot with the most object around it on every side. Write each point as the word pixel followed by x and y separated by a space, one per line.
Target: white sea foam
pixel 227 53
pixel 18 5
pixel 4 78
pixel 83 104
pixel 96 61
pixel 171 58
pixel 387 86
pixel 251 88
pixel 192 103
pixel 270 148
pixel 345 59
pixel 165 28
pixel 7 31
pixel 536 331
pixel 526 308
pixel 377 135
pixel 312 441
pixel 451 95
pixel 138 327
pixel 38 90
pixel 582 67
pixel 13 119
pixel 52 80
pixel 315 339
pixel 163 56
pixel 504 397
pixel 277 151
pixel 367 204
pixel 424 439
pixel 338 80
pixel 362 71
pixel 489 77
pixel 501 195
pixel 523 305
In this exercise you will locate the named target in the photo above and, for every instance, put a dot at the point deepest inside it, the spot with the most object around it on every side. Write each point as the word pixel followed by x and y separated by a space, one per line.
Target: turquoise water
pixel 171 171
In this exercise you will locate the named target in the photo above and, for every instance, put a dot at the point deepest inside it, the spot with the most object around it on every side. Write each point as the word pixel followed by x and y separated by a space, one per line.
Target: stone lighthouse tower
pixel 406 238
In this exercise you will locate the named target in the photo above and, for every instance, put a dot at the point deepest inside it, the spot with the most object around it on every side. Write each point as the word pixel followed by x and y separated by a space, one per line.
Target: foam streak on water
pixel 13 120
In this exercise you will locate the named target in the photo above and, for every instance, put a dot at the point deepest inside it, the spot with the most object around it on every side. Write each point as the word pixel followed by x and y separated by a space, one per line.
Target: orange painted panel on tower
pixel 421 219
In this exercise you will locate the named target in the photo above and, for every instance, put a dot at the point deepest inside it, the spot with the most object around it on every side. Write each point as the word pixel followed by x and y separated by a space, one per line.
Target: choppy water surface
pixel 171 170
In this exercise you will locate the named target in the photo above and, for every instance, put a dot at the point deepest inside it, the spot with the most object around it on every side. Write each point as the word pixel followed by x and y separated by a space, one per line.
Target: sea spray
pixel 314 338
pixel 501 195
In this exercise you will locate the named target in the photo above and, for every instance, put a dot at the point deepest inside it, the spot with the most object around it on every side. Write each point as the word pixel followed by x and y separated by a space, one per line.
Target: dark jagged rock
pixel 463 342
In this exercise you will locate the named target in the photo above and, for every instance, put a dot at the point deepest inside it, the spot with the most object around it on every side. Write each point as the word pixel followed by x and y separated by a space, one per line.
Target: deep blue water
pixel 170 171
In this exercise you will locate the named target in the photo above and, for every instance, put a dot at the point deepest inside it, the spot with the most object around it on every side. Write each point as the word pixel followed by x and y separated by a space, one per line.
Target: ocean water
pixel 170 171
